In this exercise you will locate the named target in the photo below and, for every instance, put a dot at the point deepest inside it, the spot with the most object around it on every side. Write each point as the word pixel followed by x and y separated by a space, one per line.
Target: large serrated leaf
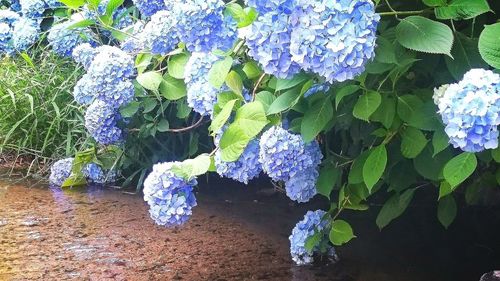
pixel 462 9
pixel 489 46
pixel 425 35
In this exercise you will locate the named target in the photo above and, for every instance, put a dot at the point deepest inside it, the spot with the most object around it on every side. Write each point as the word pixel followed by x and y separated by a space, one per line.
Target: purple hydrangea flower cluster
pixel 25 33
pixel 470 109
pixel 64 39
pixel 159 34
pixel 97 176
pixel 60 171
pixel 7 21
pixel 201 95
pixel 150 7
pixel 334 39
pixel 313 221
pixel 170 197
pixel 101 122
pixel 202 26
pixel 285 157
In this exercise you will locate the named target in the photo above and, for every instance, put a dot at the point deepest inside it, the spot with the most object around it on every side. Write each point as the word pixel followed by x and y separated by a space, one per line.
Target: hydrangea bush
pixel 329 99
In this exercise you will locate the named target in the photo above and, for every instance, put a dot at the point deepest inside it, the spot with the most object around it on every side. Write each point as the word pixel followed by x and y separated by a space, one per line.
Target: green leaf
pixel 434 3
pixel 444 189
pixel 266 98
pixel 385 51
pixel 233 143
pixel 407 106
pixel 488 45
pixel 130 109
pixel 74 4
pixel 466 56
pixel 458 169
pixel 283 84
pixel 412 143
pixel 328 177
pixel 447 210
pixel 344 92
pixel 316 118
pixel 27 59
pixel 252 118
pixel 366 105
pixel 440 141
pixel 424 35
pixel 341 232
pixel 386 112
pixel 495 153
pixel 374 166
pixel 424 117
pixel 218 72
pixel 192 168
pixel 81 24
pixel 163 125
pixel 112 6
pixel 177 64
pixel 429 166
pixel 150 80
pixel 394 207
pixel 149 105
pixel 172 88
pixel 356 172
pixel 221 118
pixel 252 70
pixel 284 101
pixel 462 9
pixel 234 82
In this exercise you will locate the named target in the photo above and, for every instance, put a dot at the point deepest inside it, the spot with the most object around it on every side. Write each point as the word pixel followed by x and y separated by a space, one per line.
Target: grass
pixel 39 120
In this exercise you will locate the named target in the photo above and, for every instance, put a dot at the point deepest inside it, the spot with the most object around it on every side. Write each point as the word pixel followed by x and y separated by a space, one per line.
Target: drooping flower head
pixel 302 187
pixel 101 123
pixel 25 33
pixel 159 34
pixel 334 39
pixel 84 54
pixel 64 39
pixel 97 176
pixel 284 155
pixel 201 95
pixel 202 26
pixel 149 7
pixel 470 109
pixel 60 171
pixel 312 222
pixel 170 197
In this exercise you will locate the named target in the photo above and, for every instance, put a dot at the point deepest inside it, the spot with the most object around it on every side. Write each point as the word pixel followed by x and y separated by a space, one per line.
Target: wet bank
pixel 236 233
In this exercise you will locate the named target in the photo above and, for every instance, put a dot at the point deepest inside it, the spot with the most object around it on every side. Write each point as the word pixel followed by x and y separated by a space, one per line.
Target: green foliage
pixel 341 232
pixel 425 35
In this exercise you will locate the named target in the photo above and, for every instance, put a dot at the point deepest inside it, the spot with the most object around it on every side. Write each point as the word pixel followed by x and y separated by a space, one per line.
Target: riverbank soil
pixel 236 233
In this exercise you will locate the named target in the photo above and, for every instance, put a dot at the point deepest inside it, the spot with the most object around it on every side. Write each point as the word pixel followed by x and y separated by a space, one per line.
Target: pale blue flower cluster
pixel 64 39
pixel 25 33
pixel 150 7
pixel 14 5
pixel 84 54
pixel 159 34
pixel 170 197
pixel 312 222
pixel 246 168
pixel 201 25
pixel 334 39
pixel 470 109
pixel 33 8
pixel 201 95
pixel 101 123
pixel 97 176
pixel 134 43
pixel 60 171
pixel 7 21
pixel 317 88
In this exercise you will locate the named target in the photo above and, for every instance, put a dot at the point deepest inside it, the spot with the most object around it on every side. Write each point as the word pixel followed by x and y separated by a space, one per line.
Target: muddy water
pixel 234 234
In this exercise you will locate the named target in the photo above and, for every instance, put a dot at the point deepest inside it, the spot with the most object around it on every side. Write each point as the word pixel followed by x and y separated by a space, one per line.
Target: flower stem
pixel 401 13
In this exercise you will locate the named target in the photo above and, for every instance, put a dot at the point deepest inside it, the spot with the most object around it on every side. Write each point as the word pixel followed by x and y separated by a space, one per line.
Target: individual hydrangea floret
pixel 202 26
pixel 201 95
pixel 149 7
pixel 84 54
pixel 470 110
pixel 311 224
pixel 26 32
pixel 33 8
pixel 284 155
pixel 246 168
pixel 64 39
pixel 318 88
pixel 302 187
pixel 268 41
pixel 101 123
pixel 97 176
pixel 160 35
pixel 60 171
pixel 334 39
pixel 170 197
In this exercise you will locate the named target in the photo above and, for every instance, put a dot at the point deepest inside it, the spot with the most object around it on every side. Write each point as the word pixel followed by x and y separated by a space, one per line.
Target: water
pixel 236 233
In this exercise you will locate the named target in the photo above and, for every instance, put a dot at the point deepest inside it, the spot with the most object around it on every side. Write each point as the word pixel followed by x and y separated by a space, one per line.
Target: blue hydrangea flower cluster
pixel 63 40
pixel 246 168
pixel 470 109
pixel 101 123
pixel 334 39
pixel 150 7
pixel 14 5
pixel 33 8
pixel 84 54
pixel 121 17
pixel 202 26
pixel 60 171
pixel 317 88
pixel 313 221
pixel 159 34
pixel 25 33
pixel 97 176
pixel 170 197
pixel 7 21
pixel 201 95
pixel 135 42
